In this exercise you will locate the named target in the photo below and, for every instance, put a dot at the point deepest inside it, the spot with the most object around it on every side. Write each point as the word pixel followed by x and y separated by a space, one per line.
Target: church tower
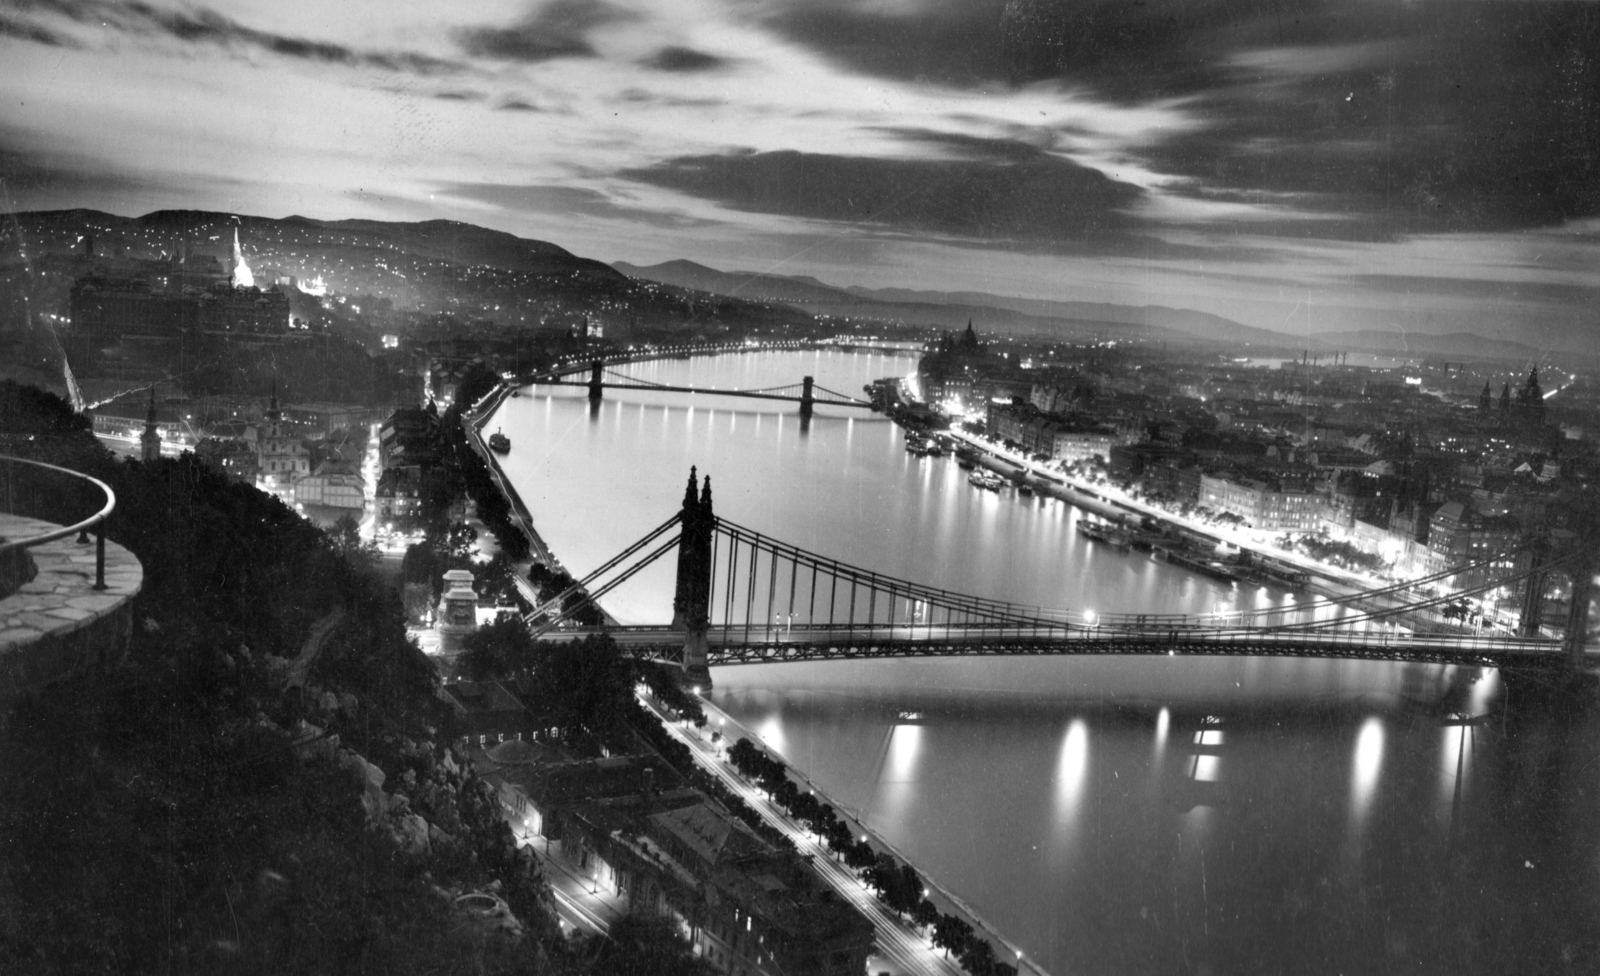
pixel 238 271
pixel 150 440
pixel 1531 398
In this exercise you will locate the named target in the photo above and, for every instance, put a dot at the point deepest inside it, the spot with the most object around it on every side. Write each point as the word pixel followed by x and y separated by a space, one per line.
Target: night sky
pixel 1300 166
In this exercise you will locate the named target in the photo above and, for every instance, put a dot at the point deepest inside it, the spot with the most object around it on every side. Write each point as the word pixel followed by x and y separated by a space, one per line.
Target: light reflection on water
pixel 1071 769
pixel 1366 768
pixel 1082 804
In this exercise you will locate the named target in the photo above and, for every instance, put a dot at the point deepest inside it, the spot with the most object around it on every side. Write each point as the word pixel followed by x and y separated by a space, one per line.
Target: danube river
pixel 1108 815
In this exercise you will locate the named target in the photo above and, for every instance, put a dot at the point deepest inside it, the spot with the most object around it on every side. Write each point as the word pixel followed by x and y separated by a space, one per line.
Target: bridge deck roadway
pixel 735 646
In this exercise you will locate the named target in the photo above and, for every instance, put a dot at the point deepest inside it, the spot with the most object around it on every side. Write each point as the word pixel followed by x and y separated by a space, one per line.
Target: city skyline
pixel 1304 168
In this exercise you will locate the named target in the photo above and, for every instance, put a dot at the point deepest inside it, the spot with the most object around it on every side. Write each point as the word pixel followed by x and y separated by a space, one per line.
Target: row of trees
pixel 494 510
pixel 551 583
pixel 896 884
pixel 583 693
pixel 1335 551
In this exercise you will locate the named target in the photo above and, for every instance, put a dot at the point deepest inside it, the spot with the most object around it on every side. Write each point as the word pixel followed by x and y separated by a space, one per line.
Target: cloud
pixel 204 26
pixel 556 30
pixel 1003 191
pixel 454 95
pixel 683 60
pixel 1138 50
pixel 33 177
pixel 550 199
pixel 24 30
pixel 1400 118
pixel 517 105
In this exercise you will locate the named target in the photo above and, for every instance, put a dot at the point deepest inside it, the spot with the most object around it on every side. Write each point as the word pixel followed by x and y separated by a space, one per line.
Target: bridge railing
pixel 50 493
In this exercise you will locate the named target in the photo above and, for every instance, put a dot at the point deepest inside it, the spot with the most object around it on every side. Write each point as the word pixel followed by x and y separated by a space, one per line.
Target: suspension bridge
pixel 745 598
pixel 601 377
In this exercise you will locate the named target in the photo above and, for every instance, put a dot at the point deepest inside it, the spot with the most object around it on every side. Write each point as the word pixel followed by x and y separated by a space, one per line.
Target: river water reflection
pixel 1139 815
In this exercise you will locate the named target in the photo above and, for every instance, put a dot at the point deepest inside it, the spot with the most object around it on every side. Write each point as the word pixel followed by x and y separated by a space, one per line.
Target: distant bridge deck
pixel 733 645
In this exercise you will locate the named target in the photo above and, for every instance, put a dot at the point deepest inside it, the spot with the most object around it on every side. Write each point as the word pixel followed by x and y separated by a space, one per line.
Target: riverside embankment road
pixel 902 948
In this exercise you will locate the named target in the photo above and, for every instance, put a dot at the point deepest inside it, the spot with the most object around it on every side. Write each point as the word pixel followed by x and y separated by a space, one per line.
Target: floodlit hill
pixel 997 313
pixel 434 265
pixel 440 240
pixel 469 244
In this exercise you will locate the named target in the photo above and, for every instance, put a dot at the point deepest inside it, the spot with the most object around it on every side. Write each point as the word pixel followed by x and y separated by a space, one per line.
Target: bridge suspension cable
pixel 835 393
pixel 1426 602
pixel 1355 599
pixel 580 587
pixel 825 592
pixel 592 598
pixel 744 597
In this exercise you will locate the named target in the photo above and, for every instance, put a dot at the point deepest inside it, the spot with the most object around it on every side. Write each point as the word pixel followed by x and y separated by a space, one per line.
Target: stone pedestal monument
pixel 458 611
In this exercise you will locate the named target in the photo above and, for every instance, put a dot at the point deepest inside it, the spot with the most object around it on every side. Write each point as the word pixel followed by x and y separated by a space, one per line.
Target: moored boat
pixel 499 443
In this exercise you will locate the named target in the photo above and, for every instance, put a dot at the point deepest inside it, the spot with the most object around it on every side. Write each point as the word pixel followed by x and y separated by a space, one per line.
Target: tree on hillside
pixel 474 385
pixel 345 535
pixel 582 687
pixel 503 649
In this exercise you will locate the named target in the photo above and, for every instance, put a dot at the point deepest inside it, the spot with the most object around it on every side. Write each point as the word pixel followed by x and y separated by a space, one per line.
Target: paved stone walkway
pixel 61 597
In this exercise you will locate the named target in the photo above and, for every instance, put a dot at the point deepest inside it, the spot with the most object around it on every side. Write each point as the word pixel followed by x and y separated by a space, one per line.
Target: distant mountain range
pixel 994 313
pixel 433 260
pixel 1004 313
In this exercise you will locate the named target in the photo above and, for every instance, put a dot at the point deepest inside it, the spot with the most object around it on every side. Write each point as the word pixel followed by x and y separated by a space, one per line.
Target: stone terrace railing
pixel 68 602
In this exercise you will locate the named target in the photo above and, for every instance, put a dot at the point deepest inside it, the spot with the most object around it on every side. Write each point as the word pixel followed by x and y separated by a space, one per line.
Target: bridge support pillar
pixel 696 673
pixel 596 384
pixel 1532 613
pixel 807 398
pixel 1578 615
pixel 691 602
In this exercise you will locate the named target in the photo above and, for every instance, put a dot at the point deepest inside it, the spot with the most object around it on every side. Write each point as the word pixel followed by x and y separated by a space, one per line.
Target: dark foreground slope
pixel 186 812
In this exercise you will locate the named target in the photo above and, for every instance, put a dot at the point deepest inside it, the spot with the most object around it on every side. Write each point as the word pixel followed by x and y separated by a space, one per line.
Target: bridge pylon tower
pixel 807 398
pixel 691 602
pixel 597 384
pixel 1531 614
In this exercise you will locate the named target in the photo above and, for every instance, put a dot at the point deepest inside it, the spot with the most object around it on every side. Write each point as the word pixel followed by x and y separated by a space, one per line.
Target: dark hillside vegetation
pixel 190 810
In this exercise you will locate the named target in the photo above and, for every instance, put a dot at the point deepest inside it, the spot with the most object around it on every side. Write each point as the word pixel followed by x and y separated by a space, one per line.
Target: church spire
pixel 688 494
pixel 238 270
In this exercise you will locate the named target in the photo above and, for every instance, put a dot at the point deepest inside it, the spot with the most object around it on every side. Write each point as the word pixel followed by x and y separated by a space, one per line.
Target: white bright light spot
pixel 1071 766
pixel 1368 764
pixel 905 744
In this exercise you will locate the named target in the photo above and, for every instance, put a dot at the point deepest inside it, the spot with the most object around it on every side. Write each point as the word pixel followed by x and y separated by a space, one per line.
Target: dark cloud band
pixel 1027 196
pixel 203 26
pixel 556 30
pixel 683 60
